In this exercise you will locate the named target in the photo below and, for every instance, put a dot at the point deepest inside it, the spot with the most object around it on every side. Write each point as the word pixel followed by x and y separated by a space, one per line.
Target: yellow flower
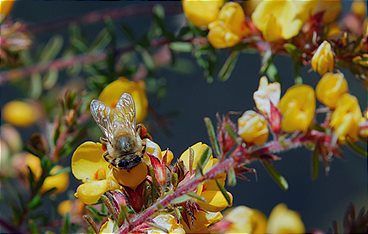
pixel 133 177
pixel 330 88
pixel 73 207
pixel 168 222
pixel 110 95
pixel 265 94
pixel 19 113
pixel 89 166
pixel 229 27
pixel 281 19
pixel 215 201
pixel 297 107
pixel 252 128
pixel 202 12
pixel 59 181
pixel 359 8
pixel 5 8
pixel 331 9
pixel 346 117
pixel 282 220
pixel 245 220
pixel 323 59
pixel 202 221
pixel 108 227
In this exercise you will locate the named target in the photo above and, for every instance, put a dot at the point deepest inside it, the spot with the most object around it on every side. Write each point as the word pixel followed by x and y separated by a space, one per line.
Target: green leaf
pixel 51 49
pixel 33 227
pixel 204 158
pixel 128 32
pixel 228 66
pixel 212 135
pixel 232 134
pixel 357 149
pixel 231 177
pixel 196 196
pixel 36 86
pixel 181 199
pixel 181 46
pixel 50 79
pixel 315 163
pixel 275 175
pixel 35 202
pixel 157 226
pixel 224 192
pixel 62 170
pixel 66 225
pixel 147 59
pixel 292 50
pixel 102 41
pixel 272 73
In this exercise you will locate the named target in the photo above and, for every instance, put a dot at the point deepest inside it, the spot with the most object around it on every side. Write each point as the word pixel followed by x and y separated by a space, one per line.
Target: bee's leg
pixel 142 131
pixel 107 157
pixel 144 147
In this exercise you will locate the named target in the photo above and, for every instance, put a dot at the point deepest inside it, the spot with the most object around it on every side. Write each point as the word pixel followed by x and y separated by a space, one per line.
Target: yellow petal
pixel 202 220
pixel 111 93
pixel 282 220
pixel 108 227
pixel 244 219
pixel 169 156
pixel 198 150
pixel 59 181
pixel 5 8
pixel 88 162
pixel 201 12
pixel 330 88
pixel 215 201
pixel 34 163
pixel 133 177
pixel 64 207
pixel 90 192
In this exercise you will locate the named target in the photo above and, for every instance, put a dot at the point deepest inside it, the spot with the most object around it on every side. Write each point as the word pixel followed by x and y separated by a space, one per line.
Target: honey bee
pixel 125 147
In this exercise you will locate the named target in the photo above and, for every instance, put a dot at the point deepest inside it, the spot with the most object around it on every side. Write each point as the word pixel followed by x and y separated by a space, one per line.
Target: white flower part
pixel 168 222
pixel 266 93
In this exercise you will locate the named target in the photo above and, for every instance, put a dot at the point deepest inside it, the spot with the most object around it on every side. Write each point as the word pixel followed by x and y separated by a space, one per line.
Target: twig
pixel 98 16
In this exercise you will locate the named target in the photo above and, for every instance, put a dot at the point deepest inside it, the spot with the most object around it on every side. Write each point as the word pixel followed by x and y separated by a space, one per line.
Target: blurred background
pixel 193 98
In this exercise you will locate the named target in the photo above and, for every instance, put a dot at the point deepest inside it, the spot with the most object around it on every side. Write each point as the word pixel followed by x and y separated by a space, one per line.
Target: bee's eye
pixel 123 164
pixel 137 160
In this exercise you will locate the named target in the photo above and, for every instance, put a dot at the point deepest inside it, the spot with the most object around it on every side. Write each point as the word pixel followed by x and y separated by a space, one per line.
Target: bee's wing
pixel 125 109
pixel 104 117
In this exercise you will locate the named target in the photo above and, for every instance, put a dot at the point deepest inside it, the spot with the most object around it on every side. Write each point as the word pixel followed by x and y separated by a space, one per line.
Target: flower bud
pixel 253 128
pixel 201 12
pixel 59 181
pixel 297 107
pixel 283 220
pixel 159 168
pixel 229 28
pixel 19 113
pixel 323 59
pixel 330 88
pixel 12 138
pixel 346 117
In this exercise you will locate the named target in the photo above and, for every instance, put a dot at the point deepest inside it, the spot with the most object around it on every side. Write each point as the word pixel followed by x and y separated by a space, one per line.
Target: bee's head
pixel 128 164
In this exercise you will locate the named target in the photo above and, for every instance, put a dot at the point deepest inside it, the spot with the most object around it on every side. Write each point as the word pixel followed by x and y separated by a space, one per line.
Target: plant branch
pixel 223 166
pixel 98 16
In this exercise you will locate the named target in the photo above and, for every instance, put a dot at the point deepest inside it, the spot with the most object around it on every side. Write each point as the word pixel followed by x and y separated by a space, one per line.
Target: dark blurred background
pixel 319 202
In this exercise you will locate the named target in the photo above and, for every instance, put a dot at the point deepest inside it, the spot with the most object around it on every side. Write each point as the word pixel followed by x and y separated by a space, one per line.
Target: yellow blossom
pixel 111 93
pixel 265 94
pixel 168 222
pixel 65 207
pixel 108 227
pixel 20 114
pixel 34 163
pixel 282 221
pixel 247 220
pixel 229 27
pixel 201 12
pixel 297 107
pixel 346 117
pixel 5 8
pixel 330 88
pixel 89 166
pixel 133 177
pixel 359 8
pixel 202 221
pixel 215 201
pixel 280 19
pixel 58 181
pixel 331 9
pixel 323 59
pixel 252 128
